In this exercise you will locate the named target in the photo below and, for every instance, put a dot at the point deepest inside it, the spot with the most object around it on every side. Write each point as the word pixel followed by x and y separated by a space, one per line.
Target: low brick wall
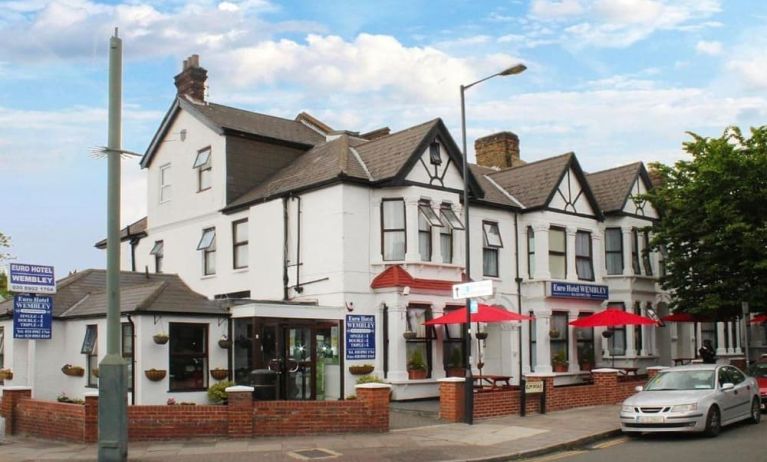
pixel 605 389
pixel 240 418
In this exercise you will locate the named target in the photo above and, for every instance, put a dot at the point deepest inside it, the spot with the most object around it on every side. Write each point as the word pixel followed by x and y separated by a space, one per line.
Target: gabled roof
pixel 222 119
pixel 84 294
pixel 135 230
pixel 396 276
pixel 385 156
pixel 612 187
pixel 494 194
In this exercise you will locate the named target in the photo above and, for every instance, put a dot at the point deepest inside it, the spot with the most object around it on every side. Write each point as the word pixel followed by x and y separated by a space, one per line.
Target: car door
pixel 741 393
pixel 726 398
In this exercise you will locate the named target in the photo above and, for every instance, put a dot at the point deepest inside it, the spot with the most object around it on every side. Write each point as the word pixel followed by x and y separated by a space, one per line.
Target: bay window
pixel 418 349
pixel 393 227
pixel 126 349
pixel 188 361
pixel 453 344
pixel 635 251
pixel 638 329
pixel 584 265
pixel 90 350
pixel 617 343
pixel 557 253
pixel 426 219
pixel 614 250
pixel 451 221
pixel 646 253
pixel 558 337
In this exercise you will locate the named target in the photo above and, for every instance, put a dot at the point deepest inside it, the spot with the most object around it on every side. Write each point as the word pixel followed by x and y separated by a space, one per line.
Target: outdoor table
pixel 682 361
pixel 494 380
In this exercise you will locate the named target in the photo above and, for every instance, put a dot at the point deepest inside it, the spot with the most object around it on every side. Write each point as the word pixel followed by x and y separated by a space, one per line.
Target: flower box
pixel 73 371
pixel 219 374
pixel 155 375
pixel 361 370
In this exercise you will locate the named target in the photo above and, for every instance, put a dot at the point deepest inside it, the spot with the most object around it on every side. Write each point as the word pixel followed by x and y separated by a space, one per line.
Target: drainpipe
pixel 133 243
pixel 133 361
pixel 230 350
pixel 385 340
pixel 285 248
pixel 518 280
pixel 298 287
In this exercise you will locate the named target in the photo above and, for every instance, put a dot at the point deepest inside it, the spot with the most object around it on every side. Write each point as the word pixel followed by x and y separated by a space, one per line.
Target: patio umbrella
pixel 759 319
pixel 612 317
pixel 485 313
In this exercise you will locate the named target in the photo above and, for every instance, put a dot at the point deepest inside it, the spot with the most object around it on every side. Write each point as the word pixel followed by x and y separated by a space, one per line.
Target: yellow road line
pixel 557 456
pixel 610 443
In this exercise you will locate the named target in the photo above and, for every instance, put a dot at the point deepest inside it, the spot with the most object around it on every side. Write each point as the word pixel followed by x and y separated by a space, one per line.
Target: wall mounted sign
pixel 534 387
pixel 32 317
pixel 33 279
pixel 570 290
pixel 360 336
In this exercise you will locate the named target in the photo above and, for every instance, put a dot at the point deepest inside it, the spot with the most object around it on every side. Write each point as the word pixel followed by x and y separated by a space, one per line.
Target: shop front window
pixel 188 356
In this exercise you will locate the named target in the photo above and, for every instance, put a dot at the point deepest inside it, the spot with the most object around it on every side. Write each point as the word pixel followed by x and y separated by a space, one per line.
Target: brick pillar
pixel 451 400
pixel 11 397
pixel 375 396
pixel 240 411
pixel 91 430
pixel 652 371
pixel 606 381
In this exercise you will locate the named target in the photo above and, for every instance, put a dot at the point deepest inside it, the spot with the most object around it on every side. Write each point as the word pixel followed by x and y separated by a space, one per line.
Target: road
pixel 742 442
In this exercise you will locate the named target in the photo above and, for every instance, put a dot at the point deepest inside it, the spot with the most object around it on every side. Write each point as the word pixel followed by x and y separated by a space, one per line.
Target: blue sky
pixel 615 81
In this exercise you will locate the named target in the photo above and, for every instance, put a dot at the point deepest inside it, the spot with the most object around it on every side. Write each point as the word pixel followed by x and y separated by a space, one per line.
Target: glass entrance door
pixel 299 371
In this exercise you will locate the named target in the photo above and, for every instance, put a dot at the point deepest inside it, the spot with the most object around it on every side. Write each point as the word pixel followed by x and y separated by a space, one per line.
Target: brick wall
pixel 241 417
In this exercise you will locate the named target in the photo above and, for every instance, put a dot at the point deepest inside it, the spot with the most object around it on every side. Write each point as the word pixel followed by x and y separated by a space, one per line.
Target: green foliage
pixel 370 378
pixel 416 362
pixel 5 242
pixel 217 393
pixel 559 358
pixel 713 230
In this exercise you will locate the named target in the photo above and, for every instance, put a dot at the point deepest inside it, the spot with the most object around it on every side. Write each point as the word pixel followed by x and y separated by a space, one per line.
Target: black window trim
pixel 171 355
pixel 488 248
pixel 590 257
pixel 236 244
pixel 556 252
pixel 204 167
pixel 609 252
pixel 208 251
pixel 530 251
pixel 385 230
pixel 646 261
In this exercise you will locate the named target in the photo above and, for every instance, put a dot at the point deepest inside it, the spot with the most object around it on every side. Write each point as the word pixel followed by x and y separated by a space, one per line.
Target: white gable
pixel 444 173
pixel 636 206
pixel 570 196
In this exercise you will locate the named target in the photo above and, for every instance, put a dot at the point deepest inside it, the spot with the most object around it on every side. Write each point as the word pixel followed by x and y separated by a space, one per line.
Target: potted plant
pixel 559 361
pixel 219 373
pixel 6 374
pixel 224 342
pixel 416 367
pixel 409 335
pixel 369 378
pixel 73 371
pixel 161 338
pixel 217 392
pixel 364 369
pixel 155 375
pixel 454 366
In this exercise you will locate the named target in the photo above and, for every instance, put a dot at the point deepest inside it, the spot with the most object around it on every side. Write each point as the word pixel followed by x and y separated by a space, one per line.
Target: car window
pixel 724 376
pixel 736 376
pixel 758 370
pixel 682 380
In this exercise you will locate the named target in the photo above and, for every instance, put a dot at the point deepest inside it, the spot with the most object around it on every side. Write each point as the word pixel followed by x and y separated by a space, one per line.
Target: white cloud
pixel 712 48
pixel 556 9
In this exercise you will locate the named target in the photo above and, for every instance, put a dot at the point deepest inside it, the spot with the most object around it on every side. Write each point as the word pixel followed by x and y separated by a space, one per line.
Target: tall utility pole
pixel 113 373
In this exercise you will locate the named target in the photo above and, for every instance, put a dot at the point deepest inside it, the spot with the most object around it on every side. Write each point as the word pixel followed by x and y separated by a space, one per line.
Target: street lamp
pixel 469 384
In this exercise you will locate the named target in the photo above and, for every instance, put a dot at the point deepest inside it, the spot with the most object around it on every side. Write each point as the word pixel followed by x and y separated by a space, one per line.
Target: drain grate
pixel 314 454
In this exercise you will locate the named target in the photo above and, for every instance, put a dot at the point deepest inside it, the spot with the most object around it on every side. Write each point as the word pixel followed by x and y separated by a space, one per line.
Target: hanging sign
pixel 360 336
pixel 32 316
pixel 33 279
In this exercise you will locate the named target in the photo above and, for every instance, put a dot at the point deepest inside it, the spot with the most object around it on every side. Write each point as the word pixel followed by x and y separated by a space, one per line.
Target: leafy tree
pixel 713 229
pixel 5 242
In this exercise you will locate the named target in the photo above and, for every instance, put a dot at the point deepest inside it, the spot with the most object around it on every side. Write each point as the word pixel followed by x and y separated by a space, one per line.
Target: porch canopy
pixel 485 313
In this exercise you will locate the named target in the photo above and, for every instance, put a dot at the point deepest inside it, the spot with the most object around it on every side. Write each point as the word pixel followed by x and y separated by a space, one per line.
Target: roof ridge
pixel 369 142
pixel 637 163
pixel 147 302
pixel 535 162
pixel 248 111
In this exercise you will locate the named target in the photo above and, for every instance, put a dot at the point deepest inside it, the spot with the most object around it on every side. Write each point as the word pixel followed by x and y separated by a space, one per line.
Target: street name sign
pixel 33 279
pixel 473 289
pixel 32 317
pixel 534 387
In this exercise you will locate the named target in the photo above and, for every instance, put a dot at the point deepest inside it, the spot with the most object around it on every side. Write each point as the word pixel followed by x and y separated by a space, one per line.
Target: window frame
pixel 530 252
pixel 205 355
pixel 208 252
pixel 611 341
pixel 435 157
pixel 90 349
pixel 204 168
pixel 2 348
pixel 454 342
pixel 532 340
pixel 159 253
pixel 638 331
pixel 427 219
pixel 128 355
pixel 453 221
pixel 446 235
pixel 428 338
pixel 635 252
pixel 489 248
pixel 609 252
pixel 581 258
pixel 646 260
pixel 564 338
pixel 384 230
pixel 165 185
pixel 557 253
pixel 241 243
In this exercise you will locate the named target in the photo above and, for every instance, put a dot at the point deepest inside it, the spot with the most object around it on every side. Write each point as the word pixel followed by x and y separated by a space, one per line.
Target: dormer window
pixel 434 155
pixel 204 168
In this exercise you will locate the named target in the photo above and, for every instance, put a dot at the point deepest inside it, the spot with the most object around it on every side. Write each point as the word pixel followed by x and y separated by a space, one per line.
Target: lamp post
pixel 469 384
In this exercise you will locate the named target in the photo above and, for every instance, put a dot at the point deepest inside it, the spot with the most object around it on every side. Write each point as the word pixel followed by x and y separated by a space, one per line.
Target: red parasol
pixel 485 313
pixel 683 317
pixel 759 319
pixel 612 317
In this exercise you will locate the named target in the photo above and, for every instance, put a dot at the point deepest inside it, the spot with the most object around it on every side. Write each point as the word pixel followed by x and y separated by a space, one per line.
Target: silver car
pixel 694 398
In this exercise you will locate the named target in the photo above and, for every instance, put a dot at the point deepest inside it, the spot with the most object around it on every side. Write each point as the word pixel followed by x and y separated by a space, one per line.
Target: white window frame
pixel 207 245
pixel 159 253
pixel 204 165
pixel 165 186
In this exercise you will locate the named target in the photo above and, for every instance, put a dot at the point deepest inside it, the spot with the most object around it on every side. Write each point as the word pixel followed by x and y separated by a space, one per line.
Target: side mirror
pixel 727 386
pixel 638 388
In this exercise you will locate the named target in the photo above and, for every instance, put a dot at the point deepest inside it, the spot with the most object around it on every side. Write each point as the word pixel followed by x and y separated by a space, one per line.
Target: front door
pixel 298 374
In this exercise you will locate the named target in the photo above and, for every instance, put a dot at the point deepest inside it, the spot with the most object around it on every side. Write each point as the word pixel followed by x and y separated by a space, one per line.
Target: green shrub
pixel 370 378
pixel 217 392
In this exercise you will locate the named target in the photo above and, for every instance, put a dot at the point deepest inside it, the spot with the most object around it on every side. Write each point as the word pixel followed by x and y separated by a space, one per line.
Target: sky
pixel 615 81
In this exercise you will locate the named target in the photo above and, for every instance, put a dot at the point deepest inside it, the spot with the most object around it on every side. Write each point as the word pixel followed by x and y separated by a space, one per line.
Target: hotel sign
pixel 570 290
pixel 34 279
pixel 32 316
pixel 360 336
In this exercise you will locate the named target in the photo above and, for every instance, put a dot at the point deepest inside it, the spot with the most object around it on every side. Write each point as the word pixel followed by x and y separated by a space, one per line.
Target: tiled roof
pixel 396 276
pixel 611 187
pixel 135 229
pixel 84 294
pixel 385 156
pixel 532 184
pixel 493 193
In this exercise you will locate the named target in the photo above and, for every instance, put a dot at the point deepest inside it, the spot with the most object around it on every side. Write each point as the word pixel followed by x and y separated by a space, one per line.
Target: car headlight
pixel 627 408
pixel 684 407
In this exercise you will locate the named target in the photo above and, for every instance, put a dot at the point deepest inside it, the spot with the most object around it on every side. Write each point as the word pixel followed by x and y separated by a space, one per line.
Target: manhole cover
pixel 314 454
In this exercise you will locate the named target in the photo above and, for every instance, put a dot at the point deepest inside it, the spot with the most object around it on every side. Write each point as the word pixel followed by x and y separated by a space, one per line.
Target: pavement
pixel 416 435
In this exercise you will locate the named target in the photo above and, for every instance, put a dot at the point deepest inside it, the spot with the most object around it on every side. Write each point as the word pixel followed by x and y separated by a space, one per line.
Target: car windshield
pixel 682 380
pixel 758 370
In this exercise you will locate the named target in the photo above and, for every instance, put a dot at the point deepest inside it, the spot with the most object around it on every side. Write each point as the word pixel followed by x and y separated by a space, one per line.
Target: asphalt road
pixel 742 442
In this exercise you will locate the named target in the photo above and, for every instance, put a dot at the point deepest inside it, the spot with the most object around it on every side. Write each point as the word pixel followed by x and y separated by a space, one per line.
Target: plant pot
pixel 155 375
pixel 73 371
pixel 455 372
pixel 481 335
pixel 219 374
pixel 586 366
pixel 409 335
pixel 160 339
pixel 416 374
pixel 361 370
pixel 225 343
pixel 6 374
pixel 560 367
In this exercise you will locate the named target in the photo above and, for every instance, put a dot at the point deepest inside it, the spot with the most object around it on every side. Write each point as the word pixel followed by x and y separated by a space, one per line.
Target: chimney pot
pixel 499 150
pixel 191 80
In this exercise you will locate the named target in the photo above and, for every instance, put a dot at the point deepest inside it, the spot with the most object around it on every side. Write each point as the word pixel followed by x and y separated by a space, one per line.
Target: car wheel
pixel 756 411
pixel 713 422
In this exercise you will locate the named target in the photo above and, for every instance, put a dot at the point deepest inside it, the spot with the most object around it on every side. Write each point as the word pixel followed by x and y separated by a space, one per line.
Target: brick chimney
pixel 499 150
pixel 191 80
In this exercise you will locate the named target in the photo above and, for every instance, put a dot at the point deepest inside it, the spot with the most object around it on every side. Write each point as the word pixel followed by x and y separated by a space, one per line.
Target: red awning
pixel 684 317
pixel 485 313
pixel 759 319
pixel 612 317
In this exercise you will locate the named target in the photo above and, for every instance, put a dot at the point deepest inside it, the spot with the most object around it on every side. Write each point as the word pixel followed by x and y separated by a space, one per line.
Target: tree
pixel 713 227
pixel 5 242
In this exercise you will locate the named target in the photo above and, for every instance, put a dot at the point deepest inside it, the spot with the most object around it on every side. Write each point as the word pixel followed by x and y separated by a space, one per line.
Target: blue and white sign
pixel 360 336
pixel 32 317
pixel 569 290
pixel 33 279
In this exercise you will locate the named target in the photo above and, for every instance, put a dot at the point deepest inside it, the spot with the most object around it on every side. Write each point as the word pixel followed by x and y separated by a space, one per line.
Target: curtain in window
pixel 446 244
pixel 557 253
pixel 614 251
pixel 424 237
pixel 490 262
pixel 393 216
pixel 583 264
